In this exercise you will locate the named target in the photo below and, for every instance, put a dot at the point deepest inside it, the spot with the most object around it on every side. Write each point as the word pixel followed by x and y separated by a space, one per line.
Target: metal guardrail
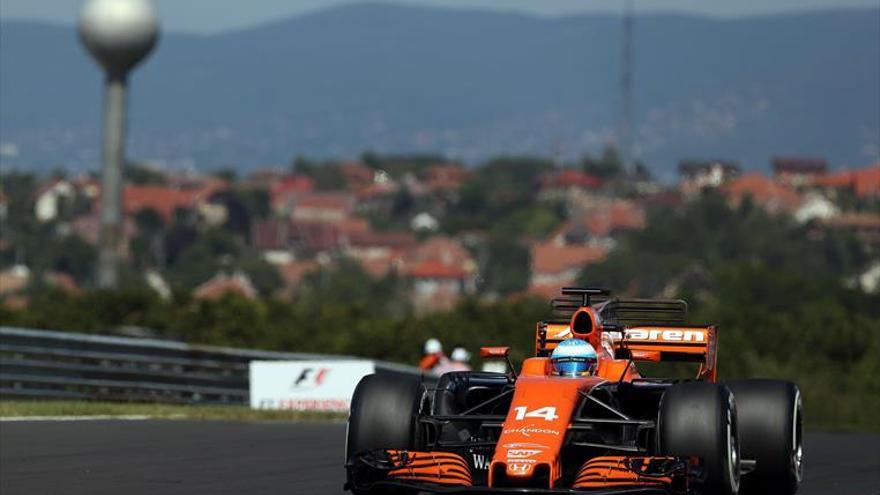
pixel 62 365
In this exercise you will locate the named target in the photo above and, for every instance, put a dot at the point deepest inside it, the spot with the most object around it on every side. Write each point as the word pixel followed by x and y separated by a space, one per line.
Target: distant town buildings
pixel 556 265
pixel 798 171
pixel 696 176
pixel 299 229
pixel 771 195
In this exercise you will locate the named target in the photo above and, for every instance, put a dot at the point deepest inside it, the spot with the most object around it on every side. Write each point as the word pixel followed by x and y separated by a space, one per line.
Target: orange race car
pixel 579 417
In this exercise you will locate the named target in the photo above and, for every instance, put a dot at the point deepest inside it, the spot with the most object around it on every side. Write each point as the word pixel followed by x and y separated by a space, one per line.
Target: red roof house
pixel 601 223
pixel 863 183
pixel 222 284
pixel 773 196
pixel 166 200
pixel 569 178
pixel 445 177
pixel 284 192
pixel 324 207
pixel 555 265
pixel 357 175
pixel 441 271
pixel 292 273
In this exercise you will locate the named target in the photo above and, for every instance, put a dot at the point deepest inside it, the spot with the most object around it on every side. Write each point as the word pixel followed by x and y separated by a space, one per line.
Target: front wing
pixel 382 486
pixel 447 472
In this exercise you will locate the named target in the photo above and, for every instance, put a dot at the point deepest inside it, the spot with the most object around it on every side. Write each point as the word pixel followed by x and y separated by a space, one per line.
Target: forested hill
pixel 466 83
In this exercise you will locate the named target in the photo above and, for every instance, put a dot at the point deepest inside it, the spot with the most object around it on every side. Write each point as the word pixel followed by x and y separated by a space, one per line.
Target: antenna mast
pixel 625 129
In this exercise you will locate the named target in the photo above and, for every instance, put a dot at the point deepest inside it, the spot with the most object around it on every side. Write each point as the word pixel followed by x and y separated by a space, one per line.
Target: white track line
pixel 122 417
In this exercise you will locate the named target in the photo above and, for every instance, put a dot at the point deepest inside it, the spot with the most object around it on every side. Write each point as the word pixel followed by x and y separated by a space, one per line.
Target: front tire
pixel 770 420
pixel 384 414
pixel 699 419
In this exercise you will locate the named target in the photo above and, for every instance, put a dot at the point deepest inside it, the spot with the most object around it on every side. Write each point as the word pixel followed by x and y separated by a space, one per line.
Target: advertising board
pixel 305 385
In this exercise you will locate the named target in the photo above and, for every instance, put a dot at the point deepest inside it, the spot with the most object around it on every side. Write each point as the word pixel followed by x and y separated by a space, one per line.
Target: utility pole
pixel 625 127
pixel 119 34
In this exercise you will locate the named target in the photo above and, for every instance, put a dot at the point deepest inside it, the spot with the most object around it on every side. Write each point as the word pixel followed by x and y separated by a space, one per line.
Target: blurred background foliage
pixel 774 290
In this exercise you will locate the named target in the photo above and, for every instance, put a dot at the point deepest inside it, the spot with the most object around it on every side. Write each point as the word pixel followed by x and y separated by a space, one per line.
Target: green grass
pixel 15 408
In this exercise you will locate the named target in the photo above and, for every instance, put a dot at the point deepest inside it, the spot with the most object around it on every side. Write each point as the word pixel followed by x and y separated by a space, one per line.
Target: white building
pixel 814 207
pixel 50 197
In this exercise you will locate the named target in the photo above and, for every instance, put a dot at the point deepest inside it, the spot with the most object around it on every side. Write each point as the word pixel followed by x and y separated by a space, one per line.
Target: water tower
pixel 119 34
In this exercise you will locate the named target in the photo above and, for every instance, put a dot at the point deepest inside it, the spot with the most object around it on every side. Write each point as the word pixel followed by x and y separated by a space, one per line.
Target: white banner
pixel 306 385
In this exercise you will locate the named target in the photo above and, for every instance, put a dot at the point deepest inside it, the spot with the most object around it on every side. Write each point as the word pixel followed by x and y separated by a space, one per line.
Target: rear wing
pixel 636 312
pixel 685 343
pixel 638 329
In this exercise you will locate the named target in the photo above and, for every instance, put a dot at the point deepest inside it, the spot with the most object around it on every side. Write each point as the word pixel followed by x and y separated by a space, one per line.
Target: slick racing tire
pixel 384 411
pixel 699 419
pixel 770 426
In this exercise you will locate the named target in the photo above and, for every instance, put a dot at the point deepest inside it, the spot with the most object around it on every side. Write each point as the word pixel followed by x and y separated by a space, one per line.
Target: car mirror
pixel 494 352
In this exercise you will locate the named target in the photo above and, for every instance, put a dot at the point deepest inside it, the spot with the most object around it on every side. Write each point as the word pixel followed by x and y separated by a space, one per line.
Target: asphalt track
pixel 168 457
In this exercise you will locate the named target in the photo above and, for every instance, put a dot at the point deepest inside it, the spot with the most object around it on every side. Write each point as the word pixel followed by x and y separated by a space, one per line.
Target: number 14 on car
pixel 548 413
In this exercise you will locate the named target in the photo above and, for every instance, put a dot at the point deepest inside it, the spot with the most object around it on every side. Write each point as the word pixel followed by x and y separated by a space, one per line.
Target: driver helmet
pixel 573 357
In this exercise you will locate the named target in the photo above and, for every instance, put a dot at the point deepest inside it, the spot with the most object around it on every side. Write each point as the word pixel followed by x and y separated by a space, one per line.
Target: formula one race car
pixel 610 431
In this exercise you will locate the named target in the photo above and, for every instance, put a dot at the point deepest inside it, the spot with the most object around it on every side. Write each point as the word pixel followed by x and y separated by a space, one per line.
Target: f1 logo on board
pixel 310 378
pixel 519 468
pixel 665 334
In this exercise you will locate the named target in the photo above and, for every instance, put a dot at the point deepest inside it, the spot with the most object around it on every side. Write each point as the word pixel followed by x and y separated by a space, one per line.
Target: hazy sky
pixel 218 15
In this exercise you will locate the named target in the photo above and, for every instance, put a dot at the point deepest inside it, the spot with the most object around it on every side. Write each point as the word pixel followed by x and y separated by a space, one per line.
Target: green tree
pixel 327 176
pixel 500 188
pixel 256 200
pixel 210 252
pixel 607 166
pixel 148 221
pixel 263 275
pixel 228 174
pixel 507 270
pixel 347 284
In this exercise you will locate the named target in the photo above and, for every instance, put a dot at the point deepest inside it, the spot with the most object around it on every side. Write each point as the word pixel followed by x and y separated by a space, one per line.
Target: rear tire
pixel 384 412
pixel 770 421
pixel 699 419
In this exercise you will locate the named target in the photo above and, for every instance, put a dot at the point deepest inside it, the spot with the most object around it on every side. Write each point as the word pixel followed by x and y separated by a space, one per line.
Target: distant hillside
pixel 466 83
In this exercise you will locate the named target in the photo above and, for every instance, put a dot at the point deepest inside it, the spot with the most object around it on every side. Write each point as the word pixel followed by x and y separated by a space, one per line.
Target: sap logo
pixel 521 453
pixel 310 378
pixel 666 335
pixel 481 462
pixel 519 468
pixel 520 445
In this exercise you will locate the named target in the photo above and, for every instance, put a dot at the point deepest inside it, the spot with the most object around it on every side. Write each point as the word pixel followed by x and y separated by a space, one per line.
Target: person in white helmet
pixel 458 362
pixel 460 357
pixel 433 355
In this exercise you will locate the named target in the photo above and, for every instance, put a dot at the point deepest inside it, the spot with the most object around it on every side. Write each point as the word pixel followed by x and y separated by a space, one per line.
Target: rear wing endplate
pixel 667 344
